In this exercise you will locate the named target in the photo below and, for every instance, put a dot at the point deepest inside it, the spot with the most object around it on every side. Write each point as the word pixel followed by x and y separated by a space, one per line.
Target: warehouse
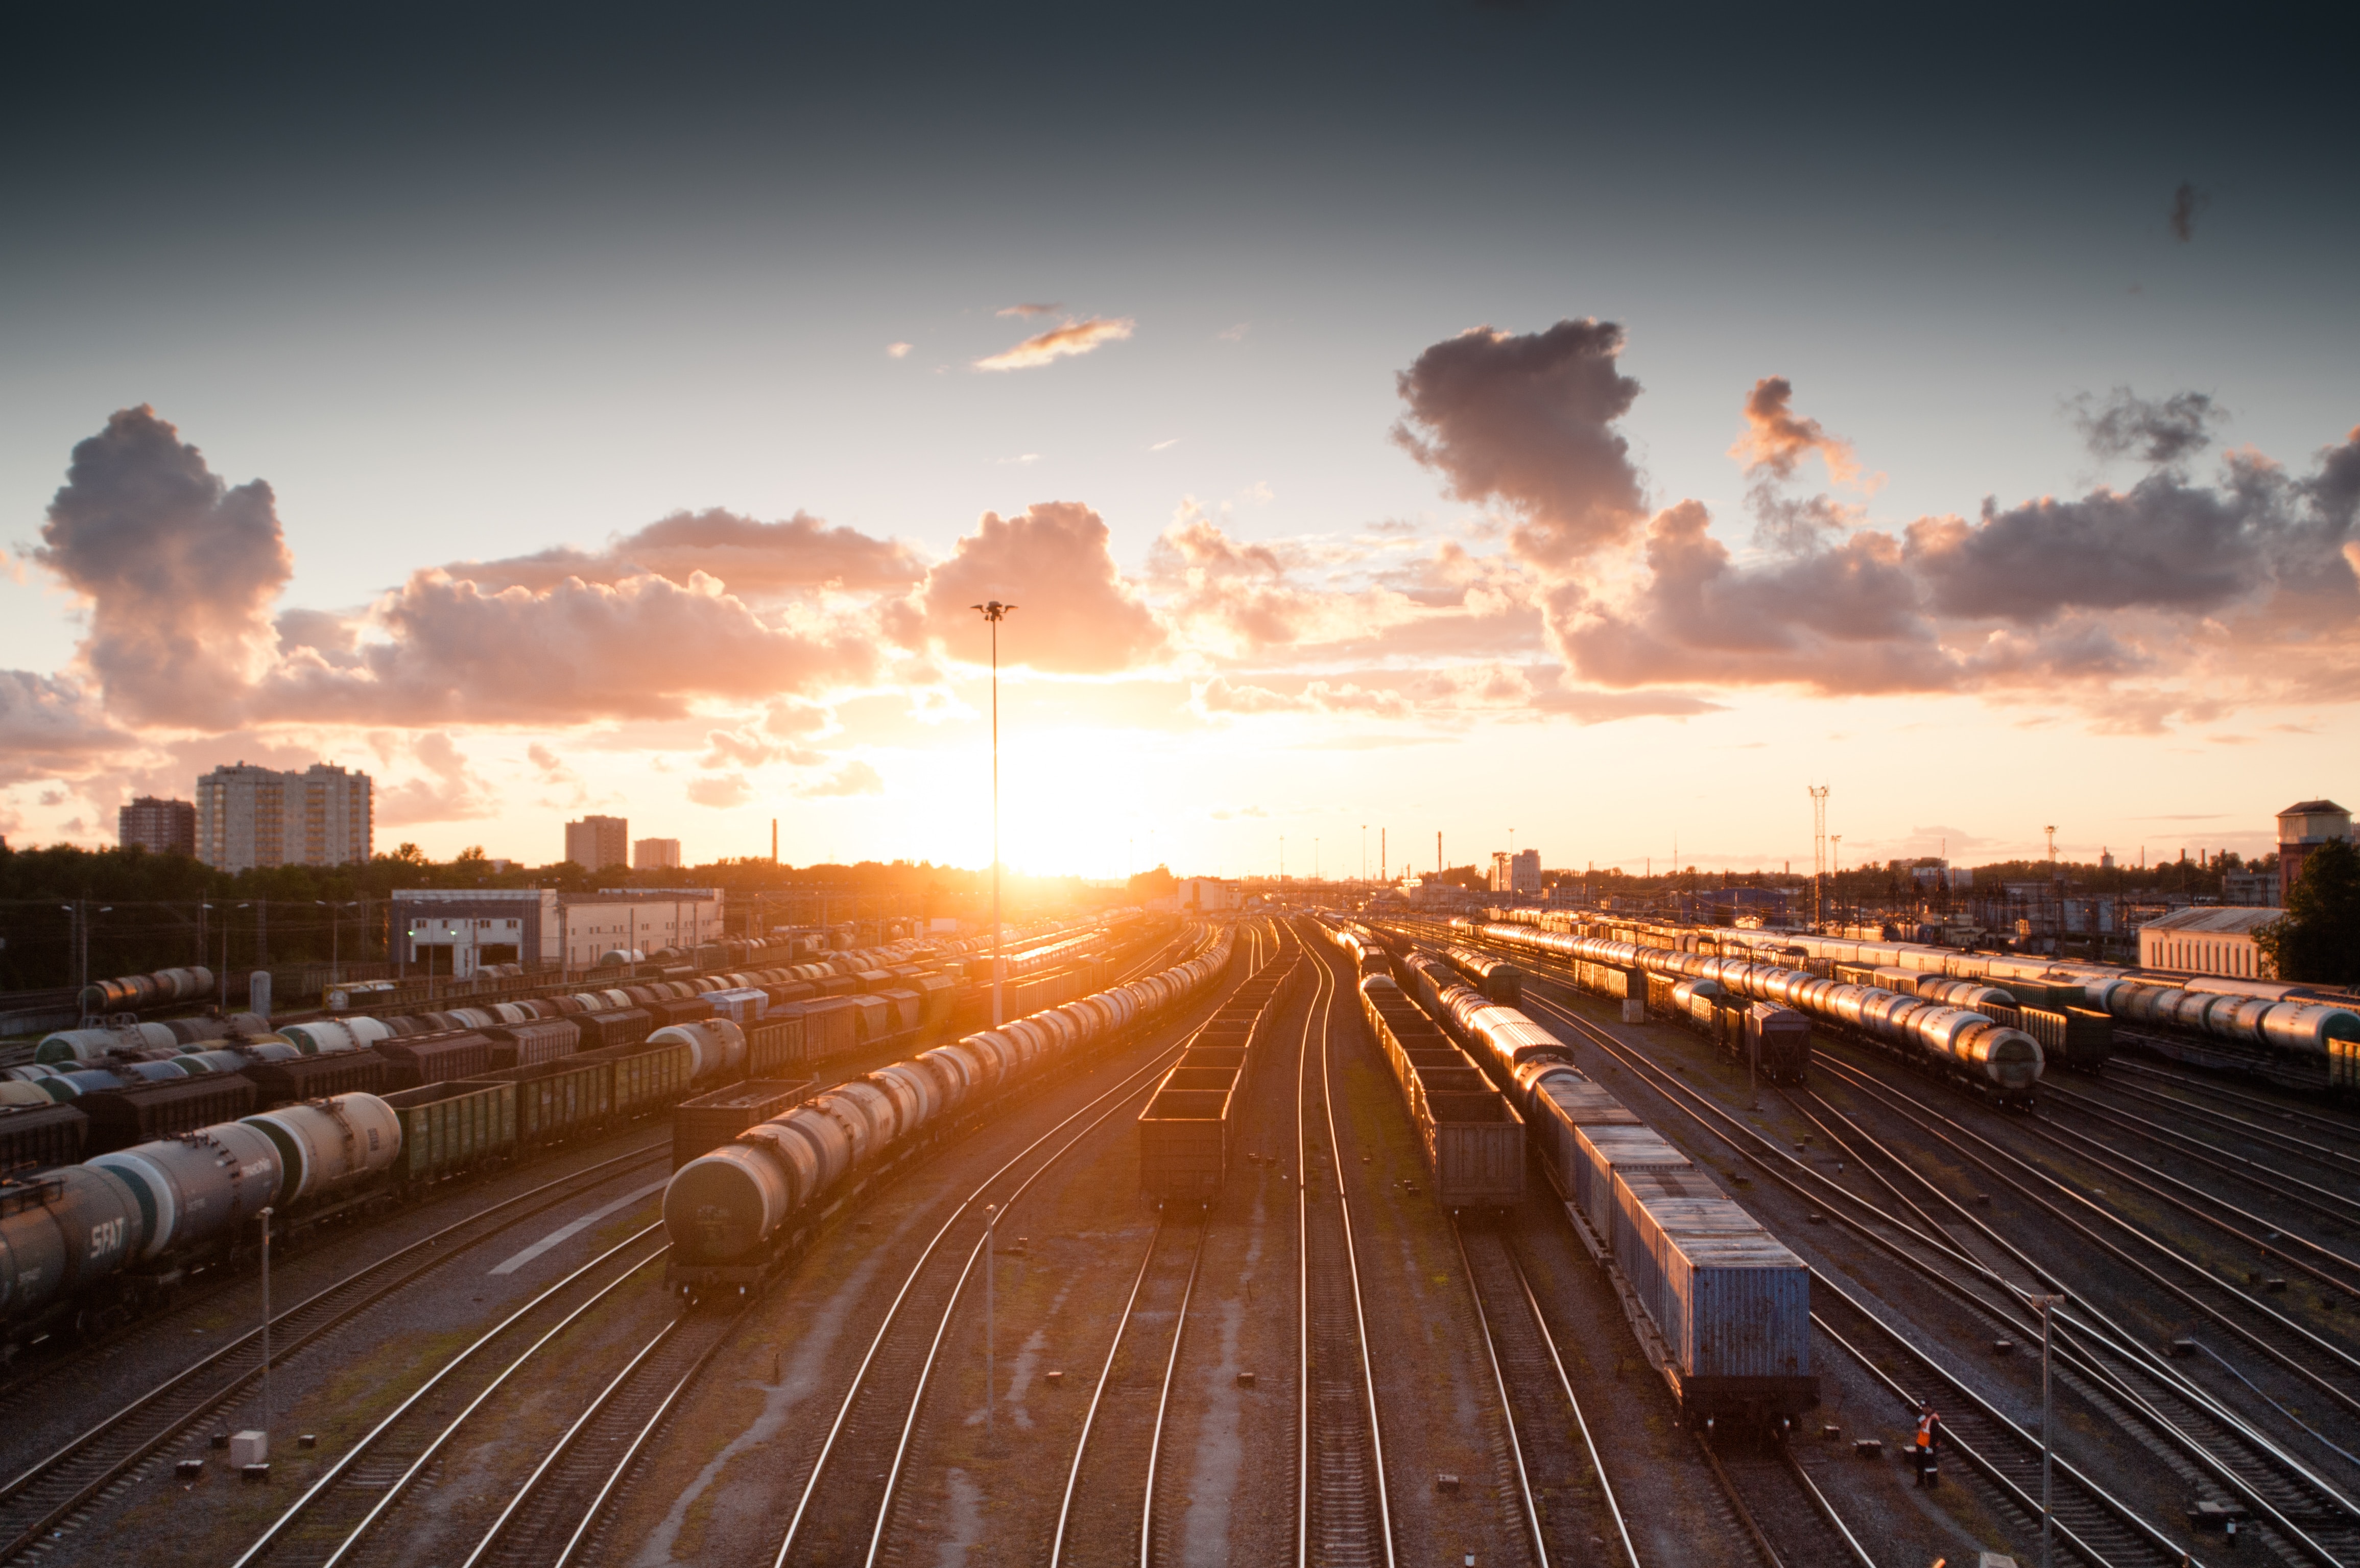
pixel 2207 940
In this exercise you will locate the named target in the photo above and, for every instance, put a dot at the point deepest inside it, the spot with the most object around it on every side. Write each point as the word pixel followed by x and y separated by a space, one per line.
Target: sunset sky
pixel 1442 418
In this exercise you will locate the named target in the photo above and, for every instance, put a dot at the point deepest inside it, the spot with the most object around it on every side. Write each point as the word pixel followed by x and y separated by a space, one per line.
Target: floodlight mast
pixel 995 612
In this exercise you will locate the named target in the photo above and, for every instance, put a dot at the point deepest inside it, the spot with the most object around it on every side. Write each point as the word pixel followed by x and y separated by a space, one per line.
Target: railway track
pixel 1108 1514
pixel 2314 1518
pixel 52 1493
pixel 1567 1499
pixel 2121 1069
pixel 341 1514
pixel 2329 1198
pixel 2017 1448
pixel 1343 1515
pixel 555 1518
pixel 852 1481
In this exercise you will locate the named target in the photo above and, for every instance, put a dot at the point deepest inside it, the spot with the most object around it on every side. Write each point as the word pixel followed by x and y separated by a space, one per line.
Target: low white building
pixel 2208 940
pixel 1205 894
pixel 541 928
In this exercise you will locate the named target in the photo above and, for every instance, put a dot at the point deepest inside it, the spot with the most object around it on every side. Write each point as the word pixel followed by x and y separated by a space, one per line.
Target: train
pixel 174 1171
pixel 2302 1037
pixel 737 1214
pixel 138 992
pixel 1721 1306
pixel 2002 1062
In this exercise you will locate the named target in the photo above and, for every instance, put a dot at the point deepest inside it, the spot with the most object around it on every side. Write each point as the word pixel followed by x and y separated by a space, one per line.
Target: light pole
pixel 265 1217
pixel 2047 1305
pixel 994 612
pixel 1364 855
pixel 990 1286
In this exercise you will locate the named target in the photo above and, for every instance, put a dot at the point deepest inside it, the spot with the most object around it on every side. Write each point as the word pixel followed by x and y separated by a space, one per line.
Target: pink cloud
pixel 1074 337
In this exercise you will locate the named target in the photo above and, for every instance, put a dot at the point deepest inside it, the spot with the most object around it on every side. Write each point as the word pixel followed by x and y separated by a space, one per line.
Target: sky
pixel 1526 423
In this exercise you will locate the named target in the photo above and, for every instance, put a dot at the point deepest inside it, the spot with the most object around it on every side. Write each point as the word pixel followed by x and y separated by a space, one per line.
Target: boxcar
pixel 452 1129
pixel 558 1099
pixel 1474 1147
pixel 522 1045
pixel 1185 1136
pixel 435 1058
pixel 617 1026
pixel 143 1113
pixel 317 1077
pixel 773 1047
pixel 829 1026
pixel 1779 1040
pixel 705 1123
pixel 646 1081
pixel 2073 1037
pixel 32 1136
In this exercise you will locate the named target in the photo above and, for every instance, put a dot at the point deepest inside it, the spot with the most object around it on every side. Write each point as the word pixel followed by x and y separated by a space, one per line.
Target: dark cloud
pixel 1076 612
pixel 2186 202
pixel 753 558
pixel 2128 426
pixel 178 570
pixel 1528 422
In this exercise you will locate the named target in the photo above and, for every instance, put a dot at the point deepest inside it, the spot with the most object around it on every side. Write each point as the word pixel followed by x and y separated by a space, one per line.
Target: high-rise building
pixel 651 854
pixel 158 826
pixel 324 816
pixel 1517 873
pixel 597 842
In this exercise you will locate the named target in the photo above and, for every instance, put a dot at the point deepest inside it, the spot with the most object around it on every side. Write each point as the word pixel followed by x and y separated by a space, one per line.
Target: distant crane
pixel 1818 853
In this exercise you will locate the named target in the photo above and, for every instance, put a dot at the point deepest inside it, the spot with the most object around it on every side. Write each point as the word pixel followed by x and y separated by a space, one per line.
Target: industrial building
pixel 653 854
pixel 2302 828
pixel 458 931
pixel 2207 939
pixel 1205 894
pixel 247 817
pixel 1519 874
pixel 160 827
pixel 595 843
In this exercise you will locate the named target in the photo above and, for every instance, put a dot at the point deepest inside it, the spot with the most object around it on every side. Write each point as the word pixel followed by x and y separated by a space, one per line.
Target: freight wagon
pixel 738 1213
pixel 1186 1131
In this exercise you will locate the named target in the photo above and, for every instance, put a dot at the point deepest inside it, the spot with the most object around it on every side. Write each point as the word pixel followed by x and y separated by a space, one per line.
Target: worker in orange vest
pixel 1929 1434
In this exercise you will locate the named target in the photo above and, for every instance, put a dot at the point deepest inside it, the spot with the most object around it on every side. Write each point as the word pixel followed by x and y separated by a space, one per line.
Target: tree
pixel 2317 941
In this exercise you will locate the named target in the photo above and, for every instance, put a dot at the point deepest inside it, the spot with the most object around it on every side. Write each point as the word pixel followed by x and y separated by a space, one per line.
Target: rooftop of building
pixel 2312 808
pixel 2216 920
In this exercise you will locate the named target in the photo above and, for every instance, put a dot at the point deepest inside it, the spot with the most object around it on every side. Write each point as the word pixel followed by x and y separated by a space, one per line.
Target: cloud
pixel 1059 342
pixel 2192 592
pixel 2186 202
pixel 1027 311
pixel 753 558
pixel 1165 445
pixel 178 570
pixel 444 651
pixel 1234 334
pixel 1528 422
pixel 897 350
pixel 720 791
pixel 1776 438
pixel 450 793
pixel 2161 433
pixel 50 728
pixel 855 777
pixel 1221 696
pixel 1077 614
pixel 1021 460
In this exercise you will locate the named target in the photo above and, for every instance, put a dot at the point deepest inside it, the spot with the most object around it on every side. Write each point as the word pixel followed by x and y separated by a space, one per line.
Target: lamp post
pixel 990 1287
pixel 994 612
pixel 2047 1305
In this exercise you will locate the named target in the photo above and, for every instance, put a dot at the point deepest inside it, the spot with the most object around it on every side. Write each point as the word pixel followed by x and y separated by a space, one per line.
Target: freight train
pixel 176 1172
pixel 1721 1306
pixel 736 1215
pixel 1996 1059
pixel 2302 1037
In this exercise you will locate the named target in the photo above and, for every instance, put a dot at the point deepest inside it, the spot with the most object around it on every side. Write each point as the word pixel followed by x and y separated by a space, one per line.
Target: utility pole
pixel 2049 1305
pixel 994 612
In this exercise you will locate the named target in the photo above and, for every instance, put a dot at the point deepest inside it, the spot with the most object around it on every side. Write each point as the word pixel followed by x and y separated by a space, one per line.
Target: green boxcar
pixel 646 1080
pixel 558 1099
pixel 451 1128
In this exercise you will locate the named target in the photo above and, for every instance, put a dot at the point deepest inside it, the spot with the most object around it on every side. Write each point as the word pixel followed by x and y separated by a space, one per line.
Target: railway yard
pixel 1308 1238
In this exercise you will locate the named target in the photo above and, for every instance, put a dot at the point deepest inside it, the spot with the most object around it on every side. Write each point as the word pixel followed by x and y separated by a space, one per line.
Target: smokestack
pixel 1438 856
pixel 774 841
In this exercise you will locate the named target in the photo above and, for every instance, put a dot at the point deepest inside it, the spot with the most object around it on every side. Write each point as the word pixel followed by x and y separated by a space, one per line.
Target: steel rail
pixel 394 1493
pixel 1597 1460
pixel 1098 1397
pixel 844 1411
pixel 2221 1468
pixel 2325 1201
pixel 1507 1403
pixel 1322 1008
pixel 369 1297
pixel 1164 1405
pixel 335 1473
pixel 2219 1090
